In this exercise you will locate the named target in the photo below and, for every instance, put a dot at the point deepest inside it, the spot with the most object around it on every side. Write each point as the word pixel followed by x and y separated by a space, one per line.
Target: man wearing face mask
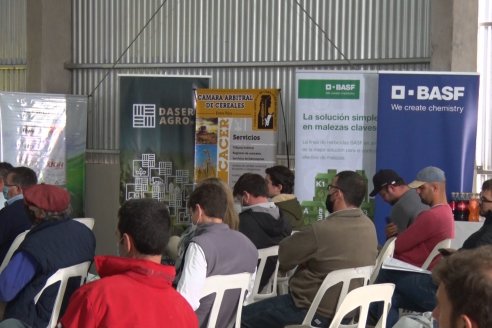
pixel 13 217
pixel 215 249
pixel 55 241
pixel 262 221
pixel 135 290
pixel 4 171
pixel 344 239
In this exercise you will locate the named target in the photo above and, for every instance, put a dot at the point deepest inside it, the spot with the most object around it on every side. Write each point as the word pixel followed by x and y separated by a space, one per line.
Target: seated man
pixel 464 296
pixel 13 217
pixel 484 235
pixel 135 290
pixel 215 249
pixel 4 171
pixel 54 242
pixel 260 220
pixel 405 202
pixel 280 187
pixel 415 291
pixel 345 239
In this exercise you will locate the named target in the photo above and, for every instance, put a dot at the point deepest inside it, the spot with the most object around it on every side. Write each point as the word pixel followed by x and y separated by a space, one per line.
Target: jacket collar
pixel 138 269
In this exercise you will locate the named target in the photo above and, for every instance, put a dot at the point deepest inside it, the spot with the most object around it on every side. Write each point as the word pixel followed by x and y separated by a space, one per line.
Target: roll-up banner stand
pixel 236 132
pixel 157 123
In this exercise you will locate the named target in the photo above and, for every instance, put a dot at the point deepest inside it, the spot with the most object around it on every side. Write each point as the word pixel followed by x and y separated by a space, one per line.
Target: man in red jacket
pixel 135 289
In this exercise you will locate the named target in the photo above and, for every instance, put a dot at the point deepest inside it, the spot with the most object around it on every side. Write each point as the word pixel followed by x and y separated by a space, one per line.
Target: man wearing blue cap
pixel 415 291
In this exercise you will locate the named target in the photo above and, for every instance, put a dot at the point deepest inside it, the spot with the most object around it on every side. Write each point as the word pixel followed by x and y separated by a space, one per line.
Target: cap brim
pixel 415 184
pixel 374 192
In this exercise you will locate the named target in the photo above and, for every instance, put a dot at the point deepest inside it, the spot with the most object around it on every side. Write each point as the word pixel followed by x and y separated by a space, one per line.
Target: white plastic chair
pixel 344 276
pixel 13 247
pixel 446 243
pixel 218 285
pixel 360 298
pixel 89 222
pixel 62 275
pixel 385 252
pixel 283 281
pixel 270 289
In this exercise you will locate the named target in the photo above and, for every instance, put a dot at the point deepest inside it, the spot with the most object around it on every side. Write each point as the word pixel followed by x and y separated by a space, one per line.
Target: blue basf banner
pixel 423 120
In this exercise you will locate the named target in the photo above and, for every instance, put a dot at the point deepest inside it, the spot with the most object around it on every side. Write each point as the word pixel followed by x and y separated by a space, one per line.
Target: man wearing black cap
pixel 55 241
pixel 405 202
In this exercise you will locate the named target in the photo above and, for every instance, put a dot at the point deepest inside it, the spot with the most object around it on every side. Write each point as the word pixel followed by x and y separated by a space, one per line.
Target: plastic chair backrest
pixel 344 276
pixel 13 247
pixel 385 252
pixel 89 222
pixel 218 285
pixel 361 298
pixel 446 243
pixel 263 254
pixel 62 275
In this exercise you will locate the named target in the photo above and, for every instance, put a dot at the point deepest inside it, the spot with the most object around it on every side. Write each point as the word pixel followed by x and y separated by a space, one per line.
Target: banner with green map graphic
pixel 336 125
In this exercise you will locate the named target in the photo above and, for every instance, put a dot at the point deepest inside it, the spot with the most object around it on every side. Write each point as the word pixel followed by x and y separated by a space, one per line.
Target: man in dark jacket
pixel 260 220
pixel 13 217
pixel 54 242
pixel 280 187
pixel 484 235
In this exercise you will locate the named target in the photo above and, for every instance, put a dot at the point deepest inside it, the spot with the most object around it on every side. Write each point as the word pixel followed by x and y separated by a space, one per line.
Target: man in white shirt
pixel 214 250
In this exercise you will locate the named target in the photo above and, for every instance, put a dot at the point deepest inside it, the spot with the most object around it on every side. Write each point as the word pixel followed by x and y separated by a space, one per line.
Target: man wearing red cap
pixel 55 241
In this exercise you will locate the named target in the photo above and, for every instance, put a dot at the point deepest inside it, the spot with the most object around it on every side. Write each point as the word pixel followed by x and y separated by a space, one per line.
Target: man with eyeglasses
pixel 405 202
pixel 484 235
pixel 13 217
pixel 344 239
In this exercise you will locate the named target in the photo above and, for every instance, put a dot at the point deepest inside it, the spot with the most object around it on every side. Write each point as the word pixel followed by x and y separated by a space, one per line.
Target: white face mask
pixel 238 207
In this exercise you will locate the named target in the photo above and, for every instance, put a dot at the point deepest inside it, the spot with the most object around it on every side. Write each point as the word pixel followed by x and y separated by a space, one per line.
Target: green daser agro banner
pixel 157 124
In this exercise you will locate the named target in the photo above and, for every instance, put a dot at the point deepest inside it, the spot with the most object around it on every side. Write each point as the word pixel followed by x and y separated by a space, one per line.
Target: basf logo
pixel 399 92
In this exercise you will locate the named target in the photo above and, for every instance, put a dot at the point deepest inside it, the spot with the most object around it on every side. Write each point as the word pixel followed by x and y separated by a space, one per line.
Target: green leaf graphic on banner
pixel 329 89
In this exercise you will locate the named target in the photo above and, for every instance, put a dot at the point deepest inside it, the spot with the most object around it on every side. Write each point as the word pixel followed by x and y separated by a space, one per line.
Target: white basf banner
pixel 336 128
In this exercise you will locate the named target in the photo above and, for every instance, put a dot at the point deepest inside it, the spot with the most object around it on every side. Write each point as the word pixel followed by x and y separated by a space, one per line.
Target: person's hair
pixel 231 218
pixel 487 185
pixel 282 176
pixel 252 183
pixel 147 222
pixel 353 187
pixel 23 176
pixel 5 168
pixel 211 198
pixel 466 276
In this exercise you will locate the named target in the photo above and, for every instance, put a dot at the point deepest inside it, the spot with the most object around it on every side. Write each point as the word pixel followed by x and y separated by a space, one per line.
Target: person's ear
pixel 128 245
pixel 198 213
pixel 466 322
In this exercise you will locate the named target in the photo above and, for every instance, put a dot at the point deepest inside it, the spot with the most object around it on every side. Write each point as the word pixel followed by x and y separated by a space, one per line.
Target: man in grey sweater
pixel 405 202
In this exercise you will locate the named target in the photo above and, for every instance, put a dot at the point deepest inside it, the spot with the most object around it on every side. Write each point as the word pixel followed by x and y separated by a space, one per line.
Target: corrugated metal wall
pixel 13 53
pixel 240 44
pixel 484 67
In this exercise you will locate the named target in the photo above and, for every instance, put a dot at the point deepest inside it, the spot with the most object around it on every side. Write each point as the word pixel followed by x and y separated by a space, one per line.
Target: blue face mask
pixel 5 192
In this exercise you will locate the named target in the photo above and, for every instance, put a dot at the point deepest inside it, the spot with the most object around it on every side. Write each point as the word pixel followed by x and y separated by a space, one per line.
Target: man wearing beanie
pixel 55 241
